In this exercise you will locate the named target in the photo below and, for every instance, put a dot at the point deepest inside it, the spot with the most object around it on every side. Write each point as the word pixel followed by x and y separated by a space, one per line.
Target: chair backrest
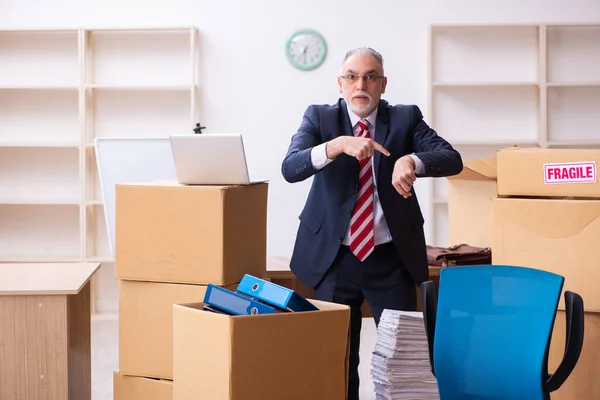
pixel 492 331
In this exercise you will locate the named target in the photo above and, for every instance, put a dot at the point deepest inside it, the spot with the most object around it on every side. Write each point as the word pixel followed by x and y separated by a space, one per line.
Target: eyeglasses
pixel 370 78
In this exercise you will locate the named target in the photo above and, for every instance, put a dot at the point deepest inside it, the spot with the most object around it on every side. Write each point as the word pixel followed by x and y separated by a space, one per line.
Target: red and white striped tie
pixel 362 239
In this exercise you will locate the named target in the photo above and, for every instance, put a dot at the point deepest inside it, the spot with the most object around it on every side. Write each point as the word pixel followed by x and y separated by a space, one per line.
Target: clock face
pixel 306 50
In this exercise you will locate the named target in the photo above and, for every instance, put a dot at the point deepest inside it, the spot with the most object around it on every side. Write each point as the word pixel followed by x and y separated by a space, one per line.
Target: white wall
pixel 246 83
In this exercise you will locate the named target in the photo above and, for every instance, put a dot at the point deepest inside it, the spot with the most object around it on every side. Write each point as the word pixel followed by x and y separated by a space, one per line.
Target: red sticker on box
pixel 574 172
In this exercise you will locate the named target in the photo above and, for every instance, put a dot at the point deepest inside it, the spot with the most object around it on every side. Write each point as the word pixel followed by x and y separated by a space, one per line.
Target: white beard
pixel 364 110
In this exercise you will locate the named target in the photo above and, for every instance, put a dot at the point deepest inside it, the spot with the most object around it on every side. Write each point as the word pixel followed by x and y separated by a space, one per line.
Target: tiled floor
pixel 105 359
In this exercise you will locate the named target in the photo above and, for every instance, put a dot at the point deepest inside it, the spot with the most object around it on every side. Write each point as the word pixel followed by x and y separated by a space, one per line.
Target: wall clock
pixel 306 49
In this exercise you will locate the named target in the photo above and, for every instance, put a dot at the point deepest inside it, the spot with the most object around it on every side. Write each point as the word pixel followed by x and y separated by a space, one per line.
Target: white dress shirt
pixel 318 156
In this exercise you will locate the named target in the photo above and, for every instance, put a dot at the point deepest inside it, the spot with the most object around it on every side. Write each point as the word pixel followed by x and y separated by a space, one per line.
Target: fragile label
pixel 574 172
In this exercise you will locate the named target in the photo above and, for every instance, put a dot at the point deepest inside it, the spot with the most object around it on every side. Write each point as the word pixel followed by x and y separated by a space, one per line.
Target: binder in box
pixel 273 294
pixel 234 303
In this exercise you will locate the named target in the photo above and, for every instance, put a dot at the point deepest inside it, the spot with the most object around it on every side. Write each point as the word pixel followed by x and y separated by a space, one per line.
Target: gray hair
pixel 364 51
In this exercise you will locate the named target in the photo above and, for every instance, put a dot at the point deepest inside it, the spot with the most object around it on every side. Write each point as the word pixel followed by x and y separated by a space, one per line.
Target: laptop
pixel 210 159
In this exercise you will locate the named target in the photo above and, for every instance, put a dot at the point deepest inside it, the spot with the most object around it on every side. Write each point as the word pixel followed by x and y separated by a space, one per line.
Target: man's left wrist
pixel 411 161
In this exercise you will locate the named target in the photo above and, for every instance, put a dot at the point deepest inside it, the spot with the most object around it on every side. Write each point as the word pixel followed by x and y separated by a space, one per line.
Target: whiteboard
pixel 127 160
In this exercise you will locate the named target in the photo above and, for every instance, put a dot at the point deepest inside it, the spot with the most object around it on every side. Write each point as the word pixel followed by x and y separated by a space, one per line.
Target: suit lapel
pixel 381 130
pixel 345 124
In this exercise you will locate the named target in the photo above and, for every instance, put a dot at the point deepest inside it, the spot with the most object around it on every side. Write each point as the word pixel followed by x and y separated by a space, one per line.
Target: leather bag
pixel 460 254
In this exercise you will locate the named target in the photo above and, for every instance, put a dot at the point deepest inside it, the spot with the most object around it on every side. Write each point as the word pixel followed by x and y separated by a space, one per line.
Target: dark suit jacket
pixel 326 215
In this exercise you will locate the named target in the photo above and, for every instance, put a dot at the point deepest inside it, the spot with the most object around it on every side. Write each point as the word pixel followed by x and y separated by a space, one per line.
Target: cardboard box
pixel 583 383
pixel 167 232
pixel 559 236
pixel 548 172
pixel 140 388
pixel 470 196
pixel 291 356
pixel 146 325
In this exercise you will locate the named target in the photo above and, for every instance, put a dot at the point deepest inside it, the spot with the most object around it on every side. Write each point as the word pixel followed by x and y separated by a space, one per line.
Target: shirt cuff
pixel 318 156
pixel 419 166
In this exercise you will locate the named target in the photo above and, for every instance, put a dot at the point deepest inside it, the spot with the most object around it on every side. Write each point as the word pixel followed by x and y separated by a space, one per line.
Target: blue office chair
pixel 489 328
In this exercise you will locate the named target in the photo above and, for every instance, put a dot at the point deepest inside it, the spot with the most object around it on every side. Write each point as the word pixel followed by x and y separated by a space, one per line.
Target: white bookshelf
pixel 501 85
pixel 60 89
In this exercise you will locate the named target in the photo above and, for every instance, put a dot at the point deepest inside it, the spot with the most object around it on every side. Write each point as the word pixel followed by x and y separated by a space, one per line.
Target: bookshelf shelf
pixel 150 88
pixel 60 89
pixel 44 58
pixel 40 232
pixel 498 54
pixel 592 144
pixel 484 84
pixel 573 54
pixel 140 57
pixel 485 108
pixel 38 201
pixel 498 86
pixel 39 116
pixel 32 144
pixel 39 87
pixel 40 173
pixel 138 113
pixel 573 113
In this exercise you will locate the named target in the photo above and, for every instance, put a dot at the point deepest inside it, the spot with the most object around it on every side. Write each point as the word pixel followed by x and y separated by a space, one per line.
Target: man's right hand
pixel 357 147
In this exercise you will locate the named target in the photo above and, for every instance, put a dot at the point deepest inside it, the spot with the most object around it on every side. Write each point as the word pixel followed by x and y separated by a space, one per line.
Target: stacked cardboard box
pixel 171 241
pixel 470 196
pixel 547 216
pixel 287 355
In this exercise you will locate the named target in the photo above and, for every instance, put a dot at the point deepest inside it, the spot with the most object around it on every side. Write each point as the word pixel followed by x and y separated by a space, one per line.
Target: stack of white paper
pixel 400 365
